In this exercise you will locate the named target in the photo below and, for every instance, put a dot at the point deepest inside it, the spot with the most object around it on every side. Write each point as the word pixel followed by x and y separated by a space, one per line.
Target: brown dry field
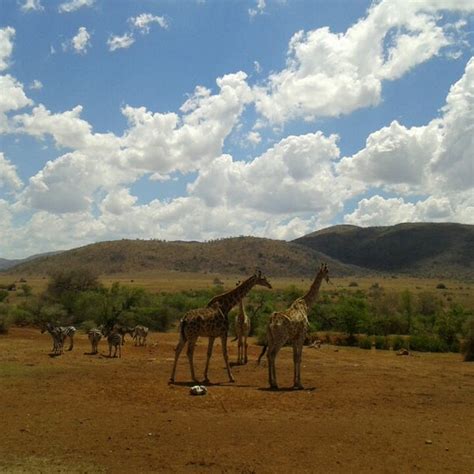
pixel 361 411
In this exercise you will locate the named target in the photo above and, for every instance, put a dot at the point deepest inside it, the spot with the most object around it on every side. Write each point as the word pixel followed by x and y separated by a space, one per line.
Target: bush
pixel 6 319
pixel 428 343
pixel 381 342
pixel 398 342
pixel 441 286
pixel 353 284
pixel 365 342
pixel 468 343
pixel 3 295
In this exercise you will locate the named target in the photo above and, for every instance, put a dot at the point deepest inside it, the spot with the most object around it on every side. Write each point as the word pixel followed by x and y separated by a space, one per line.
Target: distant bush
pixel 441 286
pixel 398 342
pixel 6 318
pixel 365 342
pixel 3 295
pixel 353 283
pixel 381 342
pixel 468 343
pixel 427 343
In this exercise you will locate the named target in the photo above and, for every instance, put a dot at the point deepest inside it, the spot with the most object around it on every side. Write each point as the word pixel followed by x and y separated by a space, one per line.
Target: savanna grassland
pixel 362 411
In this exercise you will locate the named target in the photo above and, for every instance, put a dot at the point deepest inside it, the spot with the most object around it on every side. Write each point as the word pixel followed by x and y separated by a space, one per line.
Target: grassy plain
pixel 459 291
pixel 361 411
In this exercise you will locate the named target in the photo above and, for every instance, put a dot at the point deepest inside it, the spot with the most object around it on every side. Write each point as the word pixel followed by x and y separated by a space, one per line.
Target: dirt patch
pixel 362 411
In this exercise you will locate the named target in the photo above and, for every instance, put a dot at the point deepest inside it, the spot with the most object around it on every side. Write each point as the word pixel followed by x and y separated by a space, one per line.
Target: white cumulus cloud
pixel 143 21
pixel 73 5
pixel 120 42
pixel 32 5
pixel 329 74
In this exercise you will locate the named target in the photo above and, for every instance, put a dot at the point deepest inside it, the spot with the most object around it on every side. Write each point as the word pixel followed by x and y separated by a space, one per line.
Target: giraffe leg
pixel 239 349
pixel 226 357
pixel 209 354
pixel 190 352
pixel 179 348
pixel 245 349
pixel 297 356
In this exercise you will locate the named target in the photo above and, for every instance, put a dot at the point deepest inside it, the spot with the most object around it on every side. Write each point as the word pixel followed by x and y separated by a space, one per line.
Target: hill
pixel 5 263
pixel 239 255
pixel 421 249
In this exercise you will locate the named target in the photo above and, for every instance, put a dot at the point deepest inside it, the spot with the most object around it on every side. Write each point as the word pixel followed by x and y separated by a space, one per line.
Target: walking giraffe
pixel 212 321
pixel 290 326
pixel 242 331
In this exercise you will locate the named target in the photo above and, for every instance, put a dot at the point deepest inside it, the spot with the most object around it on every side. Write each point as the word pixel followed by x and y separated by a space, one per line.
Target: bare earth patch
pixel 362 411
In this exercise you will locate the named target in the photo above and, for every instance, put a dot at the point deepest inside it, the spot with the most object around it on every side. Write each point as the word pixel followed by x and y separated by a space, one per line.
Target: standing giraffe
pixel 291 326
pixel 242 331
pixel 212 321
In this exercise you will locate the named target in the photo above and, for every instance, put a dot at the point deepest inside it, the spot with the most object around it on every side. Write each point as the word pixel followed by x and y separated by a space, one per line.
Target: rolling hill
pixel 239 255
pixel 424 250
pixel 421 249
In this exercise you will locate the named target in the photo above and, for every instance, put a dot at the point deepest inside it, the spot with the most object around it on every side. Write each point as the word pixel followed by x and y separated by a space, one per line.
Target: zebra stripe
pixel 140 334
pixel 94 335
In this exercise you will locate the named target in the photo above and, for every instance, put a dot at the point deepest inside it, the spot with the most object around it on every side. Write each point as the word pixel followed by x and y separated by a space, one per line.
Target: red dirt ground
pixel 362 411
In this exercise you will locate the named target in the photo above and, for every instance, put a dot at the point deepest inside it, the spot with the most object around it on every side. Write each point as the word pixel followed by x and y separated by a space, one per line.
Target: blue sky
pixel 201 119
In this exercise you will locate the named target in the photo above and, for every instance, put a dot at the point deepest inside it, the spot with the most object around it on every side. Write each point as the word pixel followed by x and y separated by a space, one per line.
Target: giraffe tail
pixel 262 353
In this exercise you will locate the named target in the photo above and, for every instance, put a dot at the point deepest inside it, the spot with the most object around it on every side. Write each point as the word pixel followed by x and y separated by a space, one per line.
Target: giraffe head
pixel 262 280
pixel 324 271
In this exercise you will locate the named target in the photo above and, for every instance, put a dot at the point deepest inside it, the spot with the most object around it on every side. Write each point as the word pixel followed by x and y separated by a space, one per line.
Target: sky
pixel 202 119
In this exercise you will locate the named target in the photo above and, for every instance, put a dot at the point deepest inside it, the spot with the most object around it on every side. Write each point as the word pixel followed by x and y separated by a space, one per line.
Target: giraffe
pixel 242 331
pixel 212 321
pixel 291 326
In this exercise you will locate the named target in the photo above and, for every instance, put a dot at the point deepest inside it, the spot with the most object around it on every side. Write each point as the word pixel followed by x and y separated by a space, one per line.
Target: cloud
pixel 12 97
pixel 330 74
pixel 376 211
pixel 254 138
pixel 258 10
pixel 120 42
pixel 81 41
pixel 8 176
pixel 73 5
pixel 435 158
pixel 32 5
pixel 295 176
pixel 36 85
pixel 6 46
pixel 154 143
pixel 142 22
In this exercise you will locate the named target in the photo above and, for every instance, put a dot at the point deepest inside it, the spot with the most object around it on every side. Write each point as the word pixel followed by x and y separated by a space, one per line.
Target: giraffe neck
pixel 241 315
pixel 312 294
pixel 228 300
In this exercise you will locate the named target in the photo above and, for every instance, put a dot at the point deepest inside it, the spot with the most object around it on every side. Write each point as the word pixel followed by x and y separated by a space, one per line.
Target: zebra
pixel 140 334
pixel 57 335
pixel 68 331
pixel 122 330
pixel 114 338
pixel 94 335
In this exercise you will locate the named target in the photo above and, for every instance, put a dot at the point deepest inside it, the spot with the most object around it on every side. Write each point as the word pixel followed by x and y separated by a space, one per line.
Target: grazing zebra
pixel 94 335
pixel 57 335
pixel 114 338
pixel 140 334
pixel 68 331
pixel 122 330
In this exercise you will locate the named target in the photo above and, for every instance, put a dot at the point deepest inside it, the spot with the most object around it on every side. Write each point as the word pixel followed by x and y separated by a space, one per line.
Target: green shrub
pixel 381 342
pixel 3 295
pixel 441 286
pixel 365 342
pixel 468 343
pixel 428 343
pixel 398 343
pixel 6 318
